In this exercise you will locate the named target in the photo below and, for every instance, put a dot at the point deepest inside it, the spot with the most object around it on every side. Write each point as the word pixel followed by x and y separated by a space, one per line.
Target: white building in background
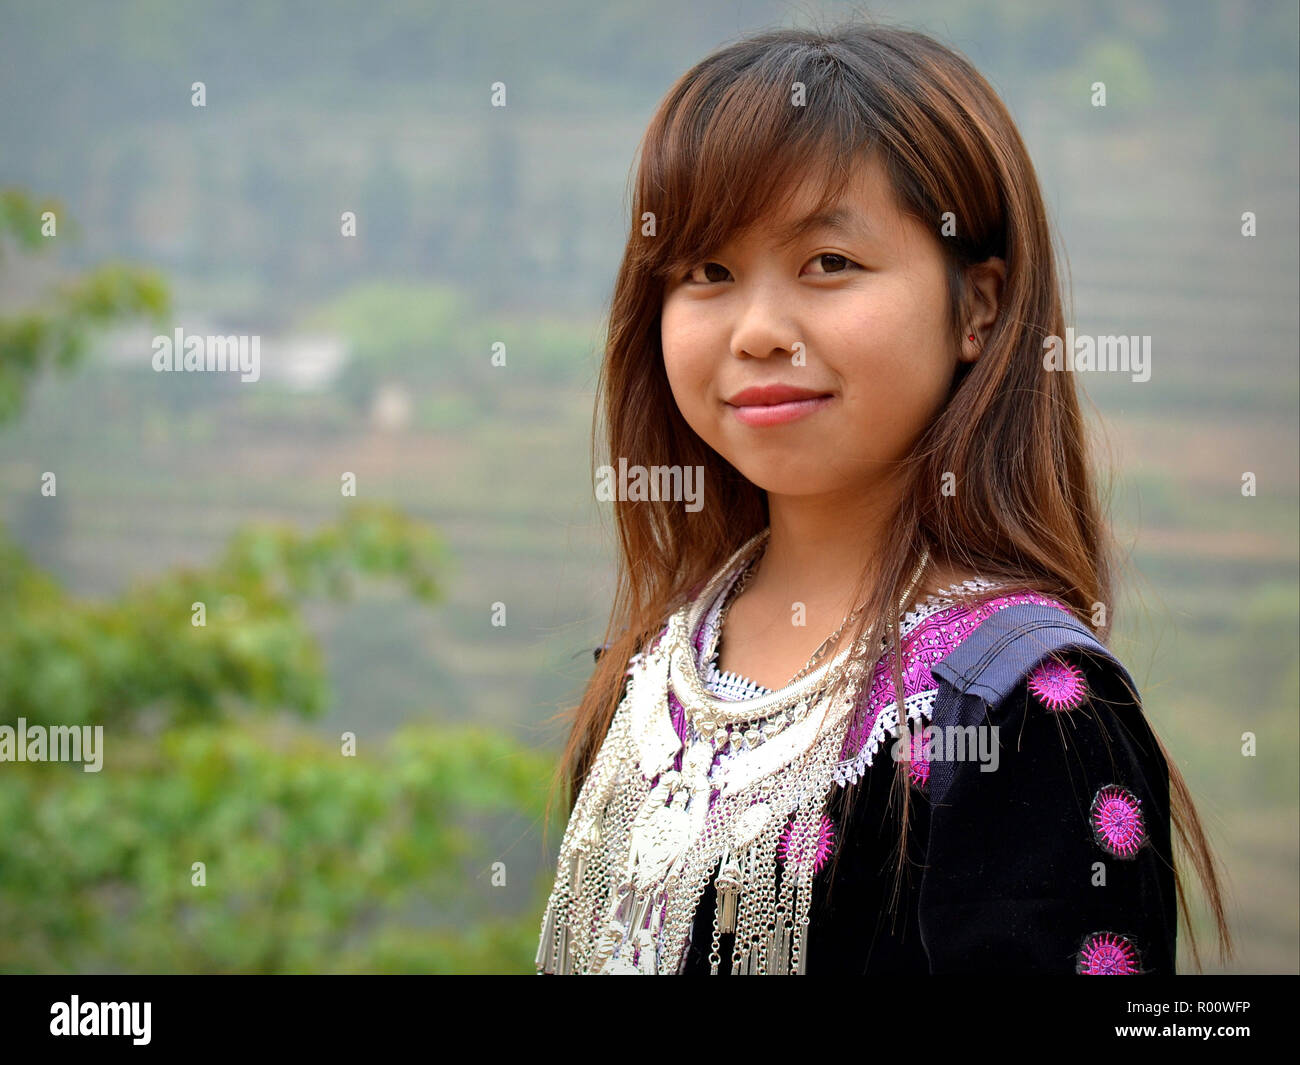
pixel 391 408
pixel 303 362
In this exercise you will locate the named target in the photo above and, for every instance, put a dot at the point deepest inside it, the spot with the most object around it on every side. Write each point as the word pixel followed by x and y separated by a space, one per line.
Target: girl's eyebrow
pixel 841 221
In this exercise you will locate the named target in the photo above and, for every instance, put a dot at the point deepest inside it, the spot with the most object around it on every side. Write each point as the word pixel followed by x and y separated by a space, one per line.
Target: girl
pixel 833 303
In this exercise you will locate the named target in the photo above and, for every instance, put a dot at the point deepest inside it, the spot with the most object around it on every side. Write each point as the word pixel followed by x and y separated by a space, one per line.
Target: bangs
pixel 731 147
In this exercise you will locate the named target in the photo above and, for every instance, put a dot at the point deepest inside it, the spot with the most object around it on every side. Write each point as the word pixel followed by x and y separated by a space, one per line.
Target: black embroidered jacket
pixel 1056 861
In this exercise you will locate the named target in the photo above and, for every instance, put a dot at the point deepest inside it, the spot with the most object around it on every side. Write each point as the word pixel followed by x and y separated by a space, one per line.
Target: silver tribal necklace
pixel 658 816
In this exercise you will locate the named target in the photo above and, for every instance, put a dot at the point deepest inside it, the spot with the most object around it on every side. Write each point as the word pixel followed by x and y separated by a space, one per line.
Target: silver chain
pixel 620 834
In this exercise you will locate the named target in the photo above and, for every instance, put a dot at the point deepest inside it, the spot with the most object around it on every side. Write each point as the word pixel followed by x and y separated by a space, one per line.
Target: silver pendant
pixel 659 835
pixel 728 889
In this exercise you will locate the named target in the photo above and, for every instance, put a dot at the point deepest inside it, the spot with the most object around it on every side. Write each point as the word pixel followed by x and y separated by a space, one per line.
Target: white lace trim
pixel 919 707
pixel 732 686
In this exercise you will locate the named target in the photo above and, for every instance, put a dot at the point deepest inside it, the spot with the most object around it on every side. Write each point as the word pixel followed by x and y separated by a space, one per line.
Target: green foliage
pixel 394 324
pixel 85 662
pixel 20 218
pixel 393 329
pixel 417 333
pixel 554 350
pixel 55 335
pixel 313 861
pixel 1120 66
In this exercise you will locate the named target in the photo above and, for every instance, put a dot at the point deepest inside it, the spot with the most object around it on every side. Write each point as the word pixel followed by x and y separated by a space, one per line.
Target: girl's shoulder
pixel 976 636
pixel 1021 647
pixel 997 638
pixel 1042 774
pixel 978 626
pixel 1025 663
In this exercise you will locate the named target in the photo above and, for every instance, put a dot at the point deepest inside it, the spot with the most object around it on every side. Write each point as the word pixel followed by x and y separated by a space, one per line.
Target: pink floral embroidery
pixel 798 845
pixel 1117 824
pixel 919 771
pixel 1107 954
pixel 1058 685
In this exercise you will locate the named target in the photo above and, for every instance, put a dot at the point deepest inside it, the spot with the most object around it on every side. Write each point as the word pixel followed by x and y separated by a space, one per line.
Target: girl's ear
pixel 984 283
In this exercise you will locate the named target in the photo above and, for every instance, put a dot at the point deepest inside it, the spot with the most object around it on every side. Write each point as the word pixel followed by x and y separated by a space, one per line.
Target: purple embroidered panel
pixel 927 644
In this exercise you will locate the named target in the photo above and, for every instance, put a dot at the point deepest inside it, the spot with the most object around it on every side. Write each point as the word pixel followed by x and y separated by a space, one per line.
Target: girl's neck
pixel 818 547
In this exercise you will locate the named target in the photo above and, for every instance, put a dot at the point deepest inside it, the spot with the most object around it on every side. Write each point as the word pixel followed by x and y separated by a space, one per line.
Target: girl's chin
pixel 803 479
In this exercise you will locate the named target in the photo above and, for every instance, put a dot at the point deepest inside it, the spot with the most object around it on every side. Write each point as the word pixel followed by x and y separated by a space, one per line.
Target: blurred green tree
pixel 314 858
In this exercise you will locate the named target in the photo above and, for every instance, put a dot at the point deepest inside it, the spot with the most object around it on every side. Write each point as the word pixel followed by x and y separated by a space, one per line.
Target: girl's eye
pixel 690 273
pixel 832 263
pixel 838 263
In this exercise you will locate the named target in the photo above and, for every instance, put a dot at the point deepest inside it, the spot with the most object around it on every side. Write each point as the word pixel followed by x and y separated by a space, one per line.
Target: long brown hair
pixel 725 147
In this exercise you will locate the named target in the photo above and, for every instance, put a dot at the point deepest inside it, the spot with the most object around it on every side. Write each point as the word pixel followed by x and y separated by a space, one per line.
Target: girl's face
pixel 851 315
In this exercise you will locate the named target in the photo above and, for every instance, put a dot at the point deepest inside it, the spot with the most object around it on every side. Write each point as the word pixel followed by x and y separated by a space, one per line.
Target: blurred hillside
pixel 479 225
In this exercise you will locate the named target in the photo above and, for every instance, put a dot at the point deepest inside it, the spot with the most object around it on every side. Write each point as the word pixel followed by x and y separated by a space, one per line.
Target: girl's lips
pixel 780 413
